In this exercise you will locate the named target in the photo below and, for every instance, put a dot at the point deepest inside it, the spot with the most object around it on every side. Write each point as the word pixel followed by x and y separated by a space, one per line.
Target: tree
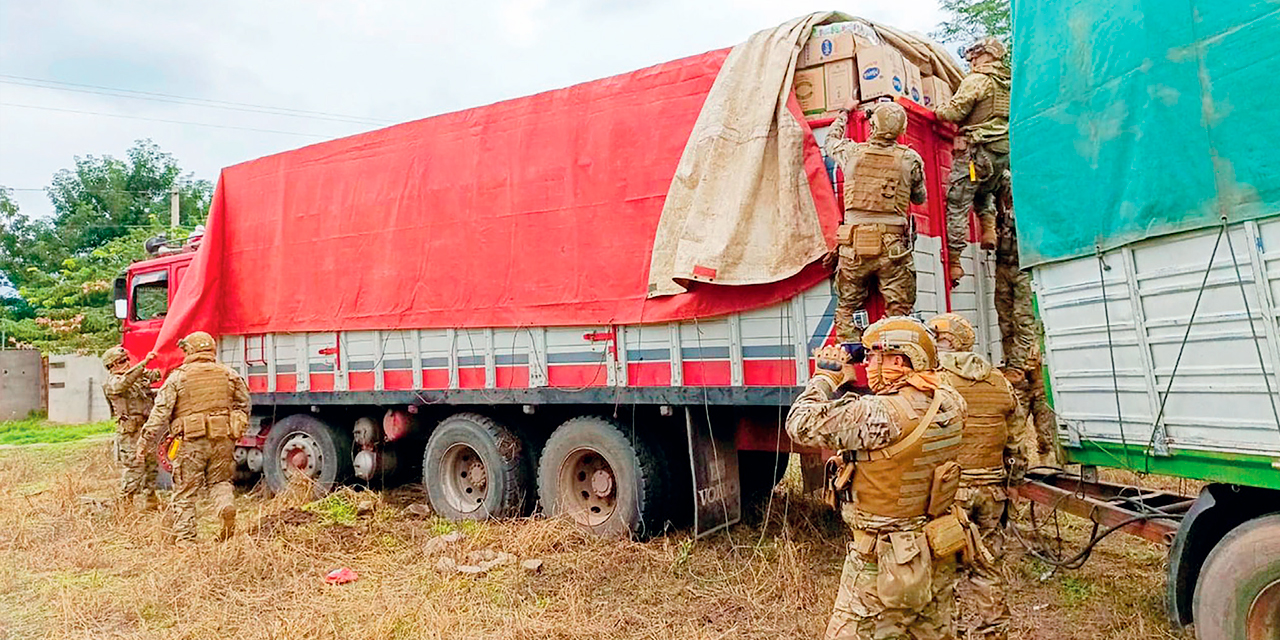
pixel 970 20
pixel 102 198
pixel 63 266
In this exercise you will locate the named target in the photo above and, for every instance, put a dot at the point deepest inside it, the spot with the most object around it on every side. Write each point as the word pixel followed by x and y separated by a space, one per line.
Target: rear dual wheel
pixel 474 468
pixel 602 478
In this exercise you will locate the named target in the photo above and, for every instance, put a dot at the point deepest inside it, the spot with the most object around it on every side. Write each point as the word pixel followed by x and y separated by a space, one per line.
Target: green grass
pixel 37 430
pixel 333 509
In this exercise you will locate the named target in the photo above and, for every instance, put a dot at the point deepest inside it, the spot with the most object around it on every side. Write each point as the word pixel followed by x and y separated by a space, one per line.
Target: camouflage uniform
pixel 980 107
pixel 130 396
pixel 891 586
pixel 881 179
pixel 992 458
pixel 207 405
pixel 1019 329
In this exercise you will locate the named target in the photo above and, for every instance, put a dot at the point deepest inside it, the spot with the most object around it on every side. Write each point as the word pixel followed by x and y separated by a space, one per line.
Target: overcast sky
pixel 387 62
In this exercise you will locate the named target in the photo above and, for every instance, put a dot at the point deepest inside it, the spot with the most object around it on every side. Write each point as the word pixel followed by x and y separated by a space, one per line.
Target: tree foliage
pixel 969 20
pixel 63 266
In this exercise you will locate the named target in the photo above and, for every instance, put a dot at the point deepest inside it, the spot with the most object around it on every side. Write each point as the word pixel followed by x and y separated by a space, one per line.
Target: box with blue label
pixel 864 35
pixel 823 49
pixel 915 83
pixel 882 72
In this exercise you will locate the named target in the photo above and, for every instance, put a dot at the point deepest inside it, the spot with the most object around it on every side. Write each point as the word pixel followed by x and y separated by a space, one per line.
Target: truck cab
pixel 144 292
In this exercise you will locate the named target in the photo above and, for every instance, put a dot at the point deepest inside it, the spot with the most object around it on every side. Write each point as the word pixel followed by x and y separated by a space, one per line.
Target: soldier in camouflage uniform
pixel 881 179
pixel 1019 329
pixel 892 585
pixel 128 390
pixel 205 404
pixel 980 107
pixel 993 463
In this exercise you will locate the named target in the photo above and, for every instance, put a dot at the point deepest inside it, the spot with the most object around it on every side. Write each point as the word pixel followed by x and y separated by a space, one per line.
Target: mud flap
pixel 713 457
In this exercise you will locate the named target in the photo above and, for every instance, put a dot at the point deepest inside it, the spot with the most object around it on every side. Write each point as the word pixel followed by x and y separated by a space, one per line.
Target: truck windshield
pixel 150 295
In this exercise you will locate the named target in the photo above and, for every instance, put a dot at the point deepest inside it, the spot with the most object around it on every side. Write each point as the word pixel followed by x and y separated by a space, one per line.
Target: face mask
pixel 884 377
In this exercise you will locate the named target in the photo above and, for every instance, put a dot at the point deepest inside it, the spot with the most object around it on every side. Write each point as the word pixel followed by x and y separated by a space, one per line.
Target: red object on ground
pixel 538 211
pixel 340 576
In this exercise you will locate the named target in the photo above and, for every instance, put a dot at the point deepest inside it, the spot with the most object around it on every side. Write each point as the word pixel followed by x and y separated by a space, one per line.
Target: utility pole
pixel 173 207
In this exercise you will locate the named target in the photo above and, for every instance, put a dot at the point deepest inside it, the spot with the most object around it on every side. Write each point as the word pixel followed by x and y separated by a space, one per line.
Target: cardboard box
pixel 863 34
pixel 824 49
pixel 915 84
pixel 840 84
pixel 881 72
pixel 811 90
pixel 936 91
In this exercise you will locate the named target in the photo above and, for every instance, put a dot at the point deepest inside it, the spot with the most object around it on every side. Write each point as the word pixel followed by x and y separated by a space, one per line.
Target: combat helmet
pixel 196 342
pixel 114 356
pixel 988 45
pixel 888 120
pixel 956 328
pixel 903 336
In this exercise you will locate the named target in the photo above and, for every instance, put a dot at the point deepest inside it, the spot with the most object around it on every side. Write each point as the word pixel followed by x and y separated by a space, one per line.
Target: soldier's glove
pixel 1014 375
pixel 830 260
pixel 955 272
pixel 829 363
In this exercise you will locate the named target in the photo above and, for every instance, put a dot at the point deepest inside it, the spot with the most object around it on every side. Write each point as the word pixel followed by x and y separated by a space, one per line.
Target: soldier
pixel 882 178
pixel 905 439
pixel 980 107
pixel 992 460
pixel 1019 329
pixel 128 391
pixel 205 404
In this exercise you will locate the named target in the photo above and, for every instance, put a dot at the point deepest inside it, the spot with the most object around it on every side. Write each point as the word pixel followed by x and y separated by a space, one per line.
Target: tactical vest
pixel 993 105
pixel 985 427
pixel 132 406
pixel 876 192
pixel 898 487
pixel 203 406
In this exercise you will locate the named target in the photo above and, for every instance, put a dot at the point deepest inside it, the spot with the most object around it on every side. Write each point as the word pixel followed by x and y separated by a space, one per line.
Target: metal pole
pixel 173 207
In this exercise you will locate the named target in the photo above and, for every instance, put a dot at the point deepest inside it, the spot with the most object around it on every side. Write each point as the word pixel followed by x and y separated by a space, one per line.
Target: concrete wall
pixel 21 379
pixel 75 390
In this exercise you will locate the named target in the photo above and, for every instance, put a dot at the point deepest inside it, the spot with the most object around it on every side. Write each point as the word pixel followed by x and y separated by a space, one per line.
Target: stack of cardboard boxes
pixel 849 59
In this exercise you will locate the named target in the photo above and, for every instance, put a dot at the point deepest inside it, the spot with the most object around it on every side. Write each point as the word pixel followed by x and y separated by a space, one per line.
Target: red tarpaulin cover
pixel 539 211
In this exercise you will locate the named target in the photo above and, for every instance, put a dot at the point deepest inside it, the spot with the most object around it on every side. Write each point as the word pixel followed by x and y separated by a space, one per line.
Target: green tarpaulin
pixel 1132 119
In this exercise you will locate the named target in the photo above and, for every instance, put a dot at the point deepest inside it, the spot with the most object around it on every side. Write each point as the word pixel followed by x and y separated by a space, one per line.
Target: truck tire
pixel 1238 592
pixel 474 468
pixel 317 450
pixel 594 474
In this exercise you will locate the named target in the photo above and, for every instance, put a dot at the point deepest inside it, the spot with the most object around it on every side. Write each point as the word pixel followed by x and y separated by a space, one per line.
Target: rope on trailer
pixel 1168 388
pixel 1111 351
pixel 1244 296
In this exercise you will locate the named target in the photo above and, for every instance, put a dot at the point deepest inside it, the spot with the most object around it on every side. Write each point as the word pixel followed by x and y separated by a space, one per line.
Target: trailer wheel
pixel 604 480
pixel 1238 592
pixel 474 468
pixel 302 444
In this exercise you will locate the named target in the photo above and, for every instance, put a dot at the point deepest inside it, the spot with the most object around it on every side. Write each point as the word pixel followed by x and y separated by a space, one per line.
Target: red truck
pixel 462 299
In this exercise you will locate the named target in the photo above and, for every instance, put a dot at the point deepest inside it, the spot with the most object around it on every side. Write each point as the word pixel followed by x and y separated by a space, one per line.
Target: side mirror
pixel 120 293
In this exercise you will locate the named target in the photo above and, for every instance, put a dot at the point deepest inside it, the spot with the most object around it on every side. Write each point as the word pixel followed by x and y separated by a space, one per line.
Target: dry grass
pixel 70 568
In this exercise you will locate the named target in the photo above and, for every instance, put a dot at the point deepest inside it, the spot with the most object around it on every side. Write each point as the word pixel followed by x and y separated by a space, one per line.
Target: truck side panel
pixel 1222 399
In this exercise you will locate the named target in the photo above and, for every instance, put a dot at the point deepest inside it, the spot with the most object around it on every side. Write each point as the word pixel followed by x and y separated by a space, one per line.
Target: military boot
pixel 989 237
pixel 228 517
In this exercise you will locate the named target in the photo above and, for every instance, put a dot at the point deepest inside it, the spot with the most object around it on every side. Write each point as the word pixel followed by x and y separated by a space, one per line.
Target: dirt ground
pixel 73 566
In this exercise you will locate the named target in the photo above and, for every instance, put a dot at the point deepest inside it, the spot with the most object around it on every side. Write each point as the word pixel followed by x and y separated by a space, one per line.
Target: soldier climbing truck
pixel 1148 204
pixel 461 300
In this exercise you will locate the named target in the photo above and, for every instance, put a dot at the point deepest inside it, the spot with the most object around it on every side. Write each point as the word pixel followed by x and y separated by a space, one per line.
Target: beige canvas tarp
pixel 740 210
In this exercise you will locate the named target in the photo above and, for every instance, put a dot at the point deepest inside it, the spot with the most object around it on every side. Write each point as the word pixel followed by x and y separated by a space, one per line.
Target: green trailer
pixel 1147 190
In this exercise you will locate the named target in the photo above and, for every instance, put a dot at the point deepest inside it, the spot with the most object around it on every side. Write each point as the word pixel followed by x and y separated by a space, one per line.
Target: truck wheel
pixel 474 468
pixel 303 444
pixel 1238 592
pixel 604 480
